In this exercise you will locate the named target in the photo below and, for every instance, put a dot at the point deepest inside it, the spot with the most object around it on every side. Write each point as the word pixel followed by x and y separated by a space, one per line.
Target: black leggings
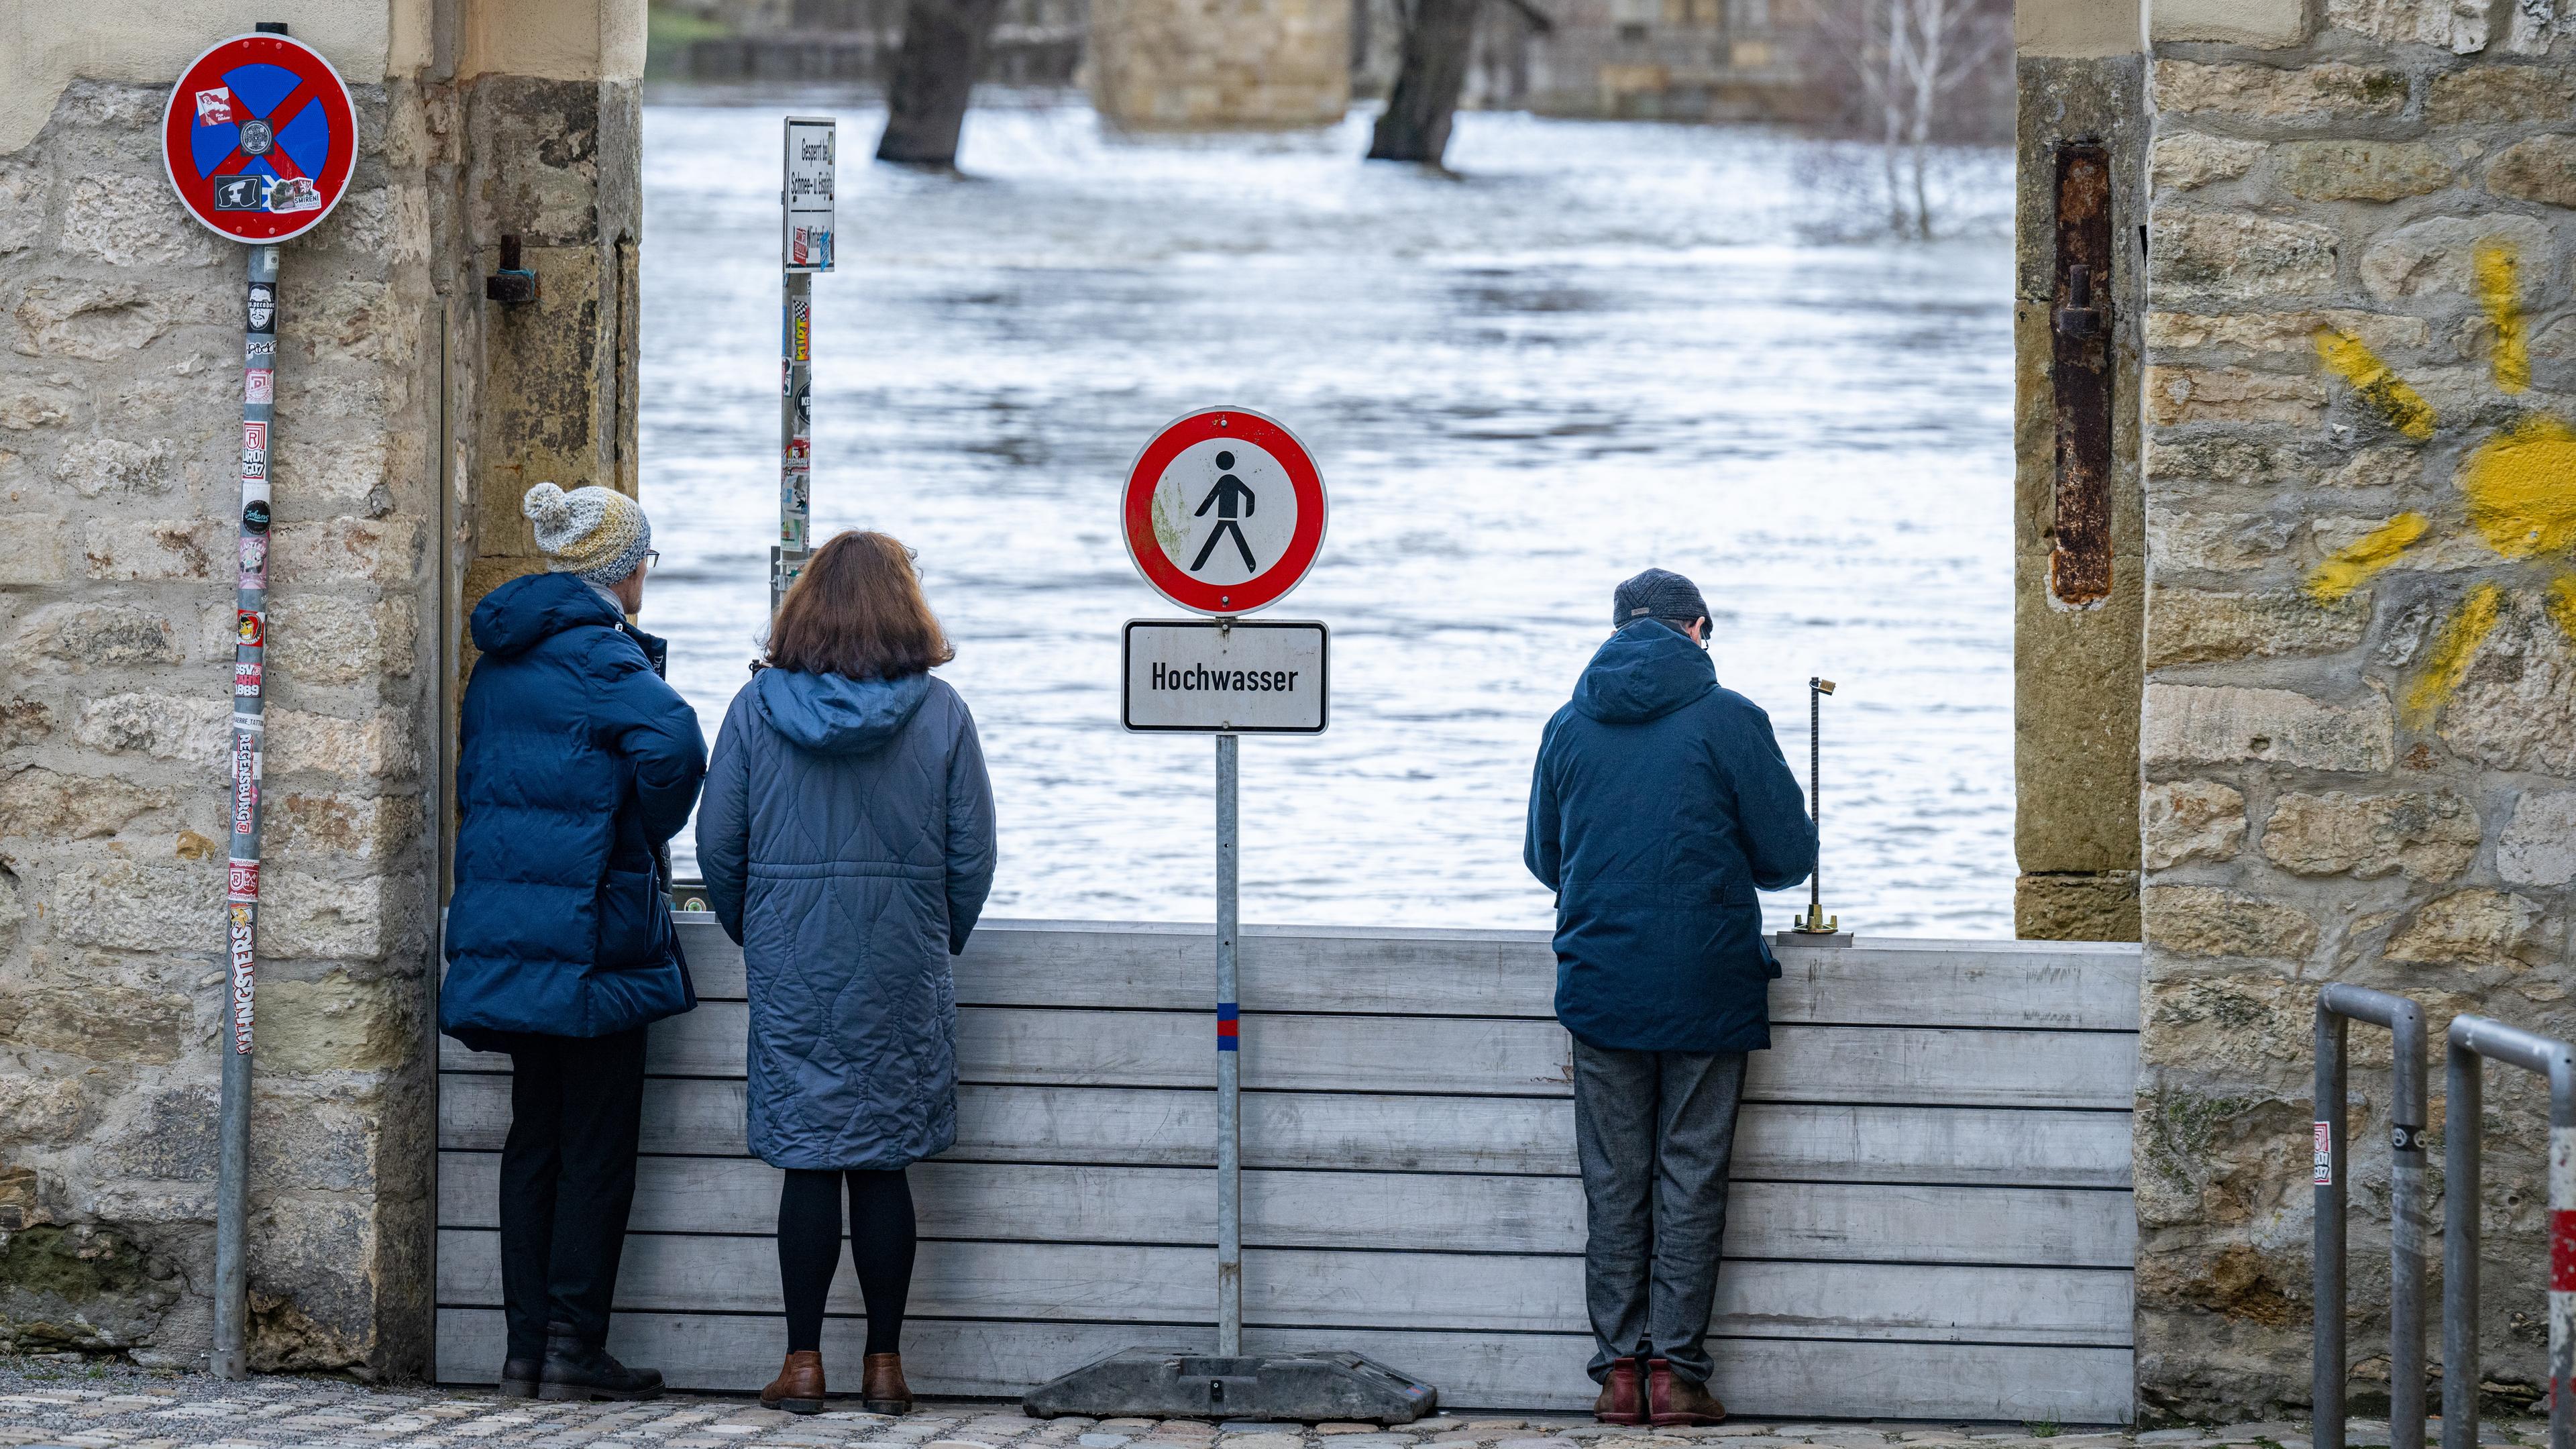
pixel 809 1250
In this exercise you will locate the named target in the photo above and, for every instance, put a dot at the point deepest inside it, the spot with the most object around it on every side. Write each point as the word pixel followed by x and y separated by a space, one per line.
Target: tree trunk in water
pixel 943 46
pixel 1415 125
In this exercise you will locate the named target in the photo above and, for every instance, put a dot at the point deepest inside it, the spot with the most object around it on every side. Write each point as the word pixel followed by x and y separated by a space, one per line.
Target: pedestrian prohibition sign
pixel 1224 511
pixel 259 137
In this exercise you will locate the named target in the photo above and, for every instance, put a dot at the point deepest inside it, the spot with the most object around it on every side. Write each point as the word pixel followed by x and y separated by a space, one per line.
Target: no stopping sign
pixel 259 138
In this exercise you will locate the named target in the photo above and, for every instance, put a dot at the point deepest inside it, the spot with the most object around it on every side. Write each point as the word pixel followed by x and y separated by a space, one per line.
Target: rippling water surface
pixel 1598 347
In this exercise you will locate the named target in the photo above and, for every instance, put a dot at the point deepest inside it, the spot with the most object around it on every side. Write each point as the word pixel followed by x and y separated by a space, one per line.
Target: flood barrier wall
pixel 1931 1215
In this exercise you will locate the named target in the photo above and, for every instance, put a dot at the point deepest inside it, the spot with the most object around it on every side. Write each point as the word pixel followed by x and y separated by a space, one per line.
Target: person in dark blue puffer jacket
pixel 575 765
pixel 847 842
pixel 1659 805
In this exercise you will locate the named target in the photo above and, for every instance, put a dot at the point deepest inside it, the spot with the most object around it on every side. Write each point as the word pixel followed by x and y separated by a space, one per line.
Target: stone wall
pixel 404 401
pixel 2360 690
pixel 119 428
pixel 2081 78
pixel 1180 65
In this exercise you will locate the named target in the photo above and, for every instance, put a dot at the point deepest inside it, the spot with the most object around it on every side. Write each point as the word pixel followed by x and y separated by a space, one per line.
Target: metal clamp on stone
pixel 513 283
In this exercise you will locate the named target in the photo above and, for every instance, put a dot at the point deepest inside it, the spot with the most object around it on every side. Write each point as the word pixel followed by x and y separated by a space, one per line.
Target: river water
pixel 1594 348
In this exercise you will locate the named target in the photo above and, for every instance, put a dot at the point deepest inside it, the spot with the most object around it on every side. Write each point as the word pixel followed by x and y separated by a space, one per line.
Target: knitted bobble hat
pixel 596 533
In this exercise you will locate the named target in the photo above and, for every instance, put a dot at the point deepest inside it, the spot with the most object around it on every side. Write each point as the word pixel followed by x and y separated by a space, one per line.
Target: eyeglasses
pixel 652 558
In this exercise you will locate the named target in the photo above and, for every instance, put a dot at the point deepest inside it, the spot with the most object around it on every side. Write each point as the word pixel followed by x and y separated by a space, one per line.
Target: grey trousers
pixel 1655 1132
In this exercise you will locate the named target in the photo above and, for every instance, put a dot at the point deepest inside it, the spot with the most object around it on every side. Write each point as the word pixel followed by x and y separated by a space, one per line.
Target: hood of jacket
pixel 525 612
pixel 833 714
pixel 1643 672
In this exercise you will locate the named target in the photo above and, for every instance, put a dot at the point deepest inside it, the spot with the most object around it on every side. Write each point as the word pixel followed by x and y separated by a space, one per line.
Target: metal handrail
pixel 2337 1006
pixel 2473 1038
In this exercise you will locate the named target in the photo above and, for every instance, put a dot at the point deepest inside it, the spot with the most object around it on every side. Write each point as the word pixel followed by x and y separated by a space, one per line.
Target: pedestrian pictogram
pixel 259 138
pixel 1222 498
pixel 1224 511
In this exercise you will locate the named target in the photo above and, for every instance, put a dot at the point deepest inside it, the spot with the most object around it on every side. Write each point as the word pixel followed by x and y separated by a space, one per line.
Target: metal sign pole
pixel 241 874
pixel 795 436
pixel 805 200
pixel 1229 1059
pixel 1227 677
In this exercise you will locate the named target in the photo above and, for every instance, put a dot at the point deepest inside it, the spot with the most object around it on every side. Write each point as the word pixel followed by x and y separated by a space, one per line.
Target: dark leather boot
pixel 1673 1400
pixel 585 1371
pixel 881 1386
pixel 519 1377
pixel 1623 1395
pixel 799 1386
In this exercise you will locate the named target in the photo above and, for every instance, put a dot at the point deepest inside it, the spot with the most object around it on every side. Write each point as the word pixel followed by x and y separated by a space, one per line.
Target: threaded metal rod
pixel 1816 795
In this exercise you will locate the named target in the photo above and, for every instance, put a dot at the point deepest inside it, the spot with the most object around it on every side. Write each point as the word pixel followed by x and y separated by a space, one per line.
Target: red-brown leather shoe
pixel 881 1386
pixel 1673 1400
pixel 799 1386
pixel 1623 1395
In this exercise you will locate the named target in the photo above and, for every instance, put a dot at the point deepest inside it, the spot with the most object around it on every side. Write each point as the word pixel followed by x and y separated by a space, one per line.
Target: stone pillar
pixel 119 435
pixel 2359 720
pixel 1184 65
pixel 2077 632
pixel 549 99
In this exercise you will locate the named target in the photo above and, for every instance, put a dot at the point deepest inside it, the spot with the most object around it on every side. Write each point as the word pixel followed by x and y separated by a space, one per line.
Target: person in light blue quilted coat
pixel 846 837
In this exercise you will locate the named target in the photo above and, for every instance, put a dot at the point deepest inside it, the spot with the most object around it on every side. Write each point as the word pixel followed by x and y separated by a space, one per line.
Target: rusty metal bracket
pixel 2081 353
pixel 512 283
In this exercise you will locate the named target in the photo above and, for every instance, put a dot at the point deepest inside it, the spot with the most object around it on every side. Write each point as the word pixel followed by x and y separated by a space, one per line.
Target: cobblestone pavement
pixel 44 1404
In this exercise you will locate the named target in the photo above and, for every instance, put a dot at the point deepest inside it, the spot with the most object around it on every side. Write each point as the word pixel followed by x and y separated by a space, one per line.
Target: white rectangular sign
pixel 808 194
pixel 1248 677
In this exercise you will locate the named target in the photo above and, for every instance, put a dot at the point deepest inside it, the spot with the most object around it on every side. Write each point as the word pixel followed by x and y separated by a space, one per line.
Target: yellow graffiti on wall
pixel 2351 359
pixel 2500 293
pixel 2458 644
pixel 2351 566
pixel 2519 487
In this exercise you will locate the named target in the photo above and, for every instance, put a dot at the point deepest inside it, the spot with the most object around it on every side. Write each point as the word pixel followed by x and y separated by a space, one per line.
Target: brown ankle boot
pixel 1623 1395
pixel 799 1386
pixel 881 1386
pixel 1674 1400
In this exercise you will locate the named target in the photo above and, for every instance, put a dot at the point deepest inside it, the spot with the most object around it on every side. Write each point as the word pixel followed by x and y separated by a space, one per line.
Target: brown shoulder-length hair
pixel 857 610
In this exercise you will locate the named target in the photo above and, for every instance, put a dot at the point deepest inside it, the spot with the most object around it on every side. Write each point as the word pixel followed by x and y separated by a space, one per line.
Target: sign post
pixel 258 139
pixel 805 242
pixel 1223 515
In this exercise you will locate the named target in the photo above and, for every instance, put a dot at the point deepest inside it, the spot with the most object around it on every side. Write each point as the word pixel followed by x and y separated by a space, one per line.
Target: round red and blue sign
pixel 1224 511
pixel 259 138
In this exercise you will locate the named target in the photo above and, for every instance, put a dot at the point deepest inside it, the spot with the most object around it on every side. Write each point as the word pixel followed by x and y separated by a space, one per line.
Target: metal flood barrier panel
pixel 1931 1216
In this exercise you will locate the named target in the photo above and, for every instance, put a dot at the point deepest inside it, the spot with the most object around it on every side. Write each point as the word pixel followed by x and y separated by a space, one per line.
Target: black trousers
pixel 567 1181
pixel 809 1251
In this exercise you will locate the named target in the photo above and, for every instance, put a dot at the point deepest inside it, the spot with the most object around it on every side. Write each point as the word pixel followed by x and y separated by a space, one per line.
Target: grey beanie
pixel 597 533
pixel 1657 594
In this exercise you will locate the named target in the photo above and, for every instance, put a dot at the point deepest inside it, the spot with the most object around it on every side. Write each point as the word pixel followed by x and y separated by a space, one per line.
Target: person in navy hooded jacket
pixel 1659 805
pixel 575 766
pixel 847 842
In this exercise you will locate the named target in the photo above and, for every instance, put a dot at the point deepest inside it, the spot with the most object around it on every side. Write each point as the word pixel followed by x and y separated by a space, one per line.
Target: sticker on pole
pixel 1224 511
pixel 259 137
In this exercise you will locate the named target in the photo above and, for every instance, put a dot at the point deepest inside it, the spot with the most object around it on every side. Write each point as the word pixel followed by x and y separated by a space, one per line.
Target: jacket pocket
pixel 634 927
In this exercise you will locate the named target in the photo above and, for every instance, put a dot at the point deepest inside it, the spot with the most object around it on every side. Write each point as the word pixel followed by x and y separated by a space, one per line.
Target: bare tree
pixel 934 75
pixel 1415 124
pixel 1439 49
pixel 1914 61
